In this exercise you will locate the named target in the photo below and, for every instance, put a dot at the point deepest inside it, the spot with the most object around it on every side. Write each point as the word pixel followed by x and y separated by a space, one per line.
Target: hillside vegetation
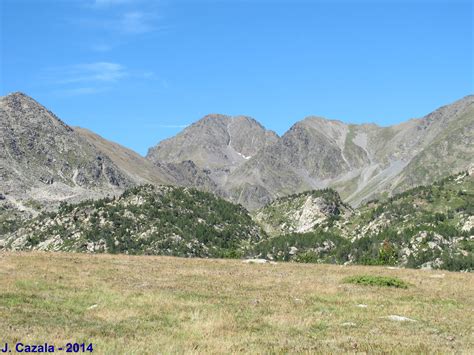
pixel 302 212
pixel 425 227
pixel 144 220
pixel 428 226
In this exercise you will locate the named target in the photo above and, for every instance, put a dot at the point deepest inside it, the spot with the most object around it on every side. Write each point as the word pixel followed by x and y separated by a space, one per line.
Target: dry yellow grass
pixel 173 305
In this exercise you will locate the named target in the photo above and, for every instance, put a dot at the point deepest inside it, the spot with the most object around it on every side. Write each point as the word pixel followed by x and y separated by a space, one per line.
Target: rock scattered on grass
pixel 437 276
pixel 396 318
pixel 255 261
pixel 258 261
pixel 348 324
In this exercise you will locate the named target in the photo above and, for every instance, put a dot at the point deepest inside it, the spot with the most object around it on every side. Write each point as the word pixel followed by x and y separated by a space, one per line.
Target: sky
pixel 139 71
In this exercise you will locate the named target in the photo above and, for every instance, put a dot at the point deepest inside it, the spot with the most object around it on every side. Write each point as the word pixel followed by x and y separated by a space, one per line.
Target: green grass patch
pixel 371 280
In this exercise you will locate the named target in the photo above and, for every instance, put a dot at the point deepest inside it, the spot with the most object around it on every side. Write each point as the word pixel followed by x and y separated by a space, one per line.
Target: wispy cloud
pixel 90 72
pixel 136 22
pixel 101 47
pixel 105 3
pixel 126 23
pixel 80 91
pixel 159 125
pixel 90 78
pixel 115 22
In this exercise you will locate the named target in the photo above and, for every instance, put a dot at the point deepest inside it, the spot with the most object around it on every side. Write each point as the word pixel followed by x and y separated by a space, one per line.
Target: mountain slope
pixel 215 142
pixel 448 145
pixel 359 161
pixel 429 227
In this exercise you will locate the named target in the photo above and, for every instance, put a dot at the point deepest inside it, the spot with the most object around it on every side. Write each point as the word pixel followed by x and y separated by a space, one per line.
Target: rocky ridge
pixel 215 145
pixel 361 162
pixel 44 162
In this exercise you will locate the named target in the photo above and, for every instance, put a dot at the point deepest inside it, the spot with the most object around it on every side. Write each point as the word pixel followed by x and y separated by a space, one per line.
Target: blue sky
pixel 137 71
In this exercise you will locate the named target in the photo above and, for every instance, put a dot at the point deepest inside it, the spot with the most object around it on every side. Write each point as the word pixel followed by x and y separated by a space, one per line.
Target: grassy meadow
pixel 146 304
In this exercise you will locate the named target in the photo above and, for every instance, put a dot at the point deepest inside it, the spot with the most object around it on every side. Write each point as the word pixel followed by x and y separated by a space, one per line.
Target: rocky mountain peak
pixel 43 159
pixel 216 142
pixel 21 106
pixel 15 99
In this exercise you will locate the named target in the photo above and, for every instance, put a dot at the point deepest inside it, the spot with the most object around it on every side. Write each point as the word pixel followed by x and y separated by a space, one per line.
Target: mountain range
pixel 359 161
pixel 44 162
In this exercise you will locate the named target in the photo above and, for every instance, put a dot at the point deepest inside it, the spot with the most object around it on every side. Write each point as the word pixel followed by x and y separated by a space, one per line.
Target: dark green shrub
pixel 372 280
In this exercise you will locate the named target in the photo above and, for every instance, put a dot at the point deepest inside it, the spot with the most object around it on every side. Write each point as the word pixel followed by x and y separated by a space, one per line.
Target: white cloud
pixel 101 47
pixel 125 23
pixel 173 125
pixel 158 125
pixel 80 91
pixel 135 22
pixel 91 72
pixel 91 78
pixel 112 2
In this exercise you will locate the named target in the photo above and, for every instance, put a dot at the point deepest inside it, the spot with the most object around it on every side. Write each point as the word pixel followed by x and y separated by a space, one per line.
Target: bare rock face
pixel 471 170
pixel 43 161
pixel 187 173
pixel 445 145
